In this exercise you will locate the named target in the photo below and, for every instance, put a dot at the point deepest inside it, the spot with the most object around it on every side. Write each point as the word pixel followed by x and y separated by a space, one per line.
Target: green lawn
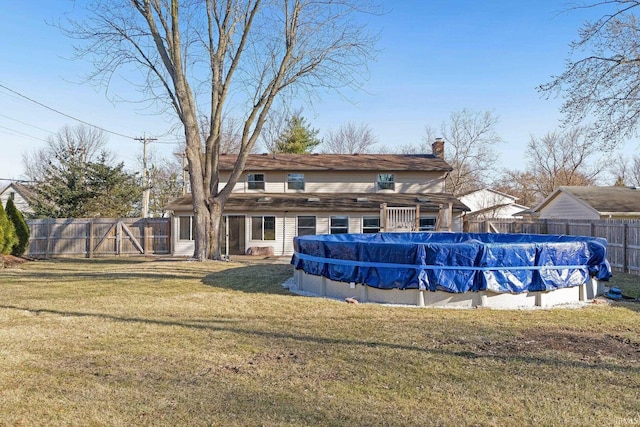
pixel 136 341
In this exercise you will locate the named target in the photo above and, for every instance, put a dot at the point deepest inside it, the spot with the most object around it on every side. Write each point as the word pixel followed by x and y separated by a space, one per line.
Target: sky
pixel 434 57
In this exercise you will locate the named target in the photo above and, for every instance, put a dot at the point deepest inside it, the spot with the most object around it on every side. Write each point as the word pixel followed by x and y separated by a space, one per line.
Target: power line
pixel 63 114
pixel 22 133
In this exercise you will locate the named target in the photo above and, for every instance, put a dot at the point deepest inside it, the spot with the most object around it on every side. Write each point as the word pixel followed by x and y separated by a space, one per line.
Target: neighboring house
pixel 21 196
pixel 282 196
pixel 490 204
pixel 589 202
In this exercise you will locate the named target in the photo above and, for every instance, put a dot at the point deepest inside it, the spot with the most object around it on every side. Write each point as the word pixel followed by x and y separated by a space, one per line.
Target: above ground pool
pixel 463 269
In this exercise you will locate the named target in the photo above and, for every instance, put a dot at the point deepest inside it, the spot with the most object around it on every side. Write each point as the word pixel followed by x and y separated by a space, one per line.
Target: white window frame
pixel 427 227
pixel 332 227
pixel 295 183
pixel 388 185
pixel 256 184
pixel 180 224
pixel 366 229
pixel 262 228
pixel 315 225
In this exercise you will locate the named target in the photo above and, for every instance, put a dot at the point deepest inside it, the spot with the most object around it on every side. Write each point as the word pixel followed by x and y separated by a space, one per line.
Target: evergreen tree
pixel 73 188
pixel 298 137
pixel 21 228
pixel 9 233
pixel 112 192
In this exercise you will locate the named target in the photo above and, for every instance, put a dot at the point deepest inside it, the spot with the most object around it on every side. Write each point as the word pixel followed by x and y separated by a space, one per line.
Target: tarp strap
pixel 431 267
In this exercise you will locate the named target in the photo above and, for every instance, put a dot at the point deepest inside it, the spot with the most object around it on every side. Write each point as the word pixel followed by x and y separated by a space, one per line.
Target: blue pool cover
pixel 455 262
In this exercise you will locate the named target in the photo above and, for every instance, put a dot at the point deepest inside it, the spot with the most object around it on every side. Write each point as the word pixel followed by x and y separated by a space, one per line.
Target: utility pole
pixel 183 156
pixel 145 174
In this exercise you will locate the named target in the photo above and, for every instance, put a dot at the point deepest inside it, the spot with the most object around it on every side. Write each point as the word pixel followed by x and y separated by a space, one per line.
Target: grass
pixel 138 341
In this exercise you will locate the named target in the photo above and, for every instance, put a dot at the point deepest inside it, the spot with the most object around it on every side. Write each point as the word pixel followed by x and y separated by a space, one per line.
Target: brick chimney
pixel 437 148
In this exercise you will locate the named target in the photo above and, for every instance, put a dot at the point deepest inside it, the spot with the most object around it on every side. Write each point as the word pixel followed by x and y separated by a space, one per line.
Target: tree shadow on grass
pixel 263 278
pixel 474 352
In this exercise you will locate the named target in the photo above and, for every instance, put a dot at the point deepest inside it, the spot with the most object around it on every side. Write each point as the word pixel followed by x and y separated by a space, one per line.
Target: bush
pixel 10 237
pixel 21 228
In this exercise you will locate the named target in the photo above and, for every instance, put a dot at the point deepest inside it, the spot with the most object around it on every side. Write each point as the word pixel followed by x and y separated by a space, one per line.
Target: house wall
pixel 286 228
pixel 18 200
pixel 567 207
pixel 343 182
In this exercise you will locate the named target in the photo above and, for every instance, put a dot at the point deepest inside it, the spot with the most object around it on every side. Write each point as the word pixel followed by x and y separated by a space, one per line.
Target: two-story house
pixel 282 196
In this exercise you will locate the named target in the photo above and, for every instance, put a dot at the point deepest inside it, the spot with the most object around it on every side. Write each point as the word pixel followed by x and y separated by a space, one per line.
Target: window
pixel 370 224
pixel 306 225
pixel 295 181
pixel 263 228
pixel 255 181
pixel 385 181
pixel 12 195
pixel 185 224
pixel 339 224
pixel 427 223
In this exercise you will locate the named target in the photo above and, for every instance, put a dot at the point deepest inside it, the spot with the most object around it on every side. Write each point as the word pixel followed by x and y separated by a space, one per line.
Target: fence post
pixel 625 249
pixel 46 249
pixel 148 241
pixel 90 239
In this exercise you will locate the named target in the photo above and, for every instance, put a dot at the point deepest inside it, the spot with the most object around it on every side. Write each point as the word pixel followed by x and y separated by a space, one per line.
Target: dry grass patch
pixel 144 342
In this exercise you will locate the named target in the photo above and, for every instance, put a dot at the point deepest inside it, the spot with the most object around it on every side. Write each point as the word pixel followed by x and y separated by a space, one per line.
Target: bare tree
pixel 215 56
pixel 350 138
pixel 625 170
pixel 562 158
pixel 602 76
pixel 75 144
pixel 469 140
pixel 519 184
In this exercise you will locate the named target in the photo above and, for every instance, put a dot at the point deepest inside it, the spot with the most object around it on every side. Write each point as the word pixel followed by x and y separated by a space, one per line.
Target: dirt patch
pixel 10 261
pixel 584 346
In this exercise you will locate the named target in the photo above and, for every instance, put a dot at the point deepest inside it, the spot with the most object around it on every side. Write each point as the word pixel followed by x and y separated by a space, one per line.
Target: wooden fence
pixel 99 236
pixel 623 236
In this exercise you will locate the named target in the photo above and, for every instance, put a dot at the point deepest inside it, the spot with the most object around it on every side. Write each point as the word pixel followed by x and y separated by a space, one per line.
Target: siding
pixel 565 206
pixel 343 182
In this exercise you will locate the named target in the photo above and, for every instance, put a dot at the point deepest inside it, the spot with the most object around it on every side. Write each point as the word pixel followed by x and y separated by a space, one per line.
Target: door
pixel 234 235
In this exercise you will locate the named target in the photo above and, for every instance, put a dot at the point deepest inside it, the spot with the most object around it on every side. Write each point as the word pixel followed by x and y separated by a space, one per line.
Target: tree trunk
pixel 215 217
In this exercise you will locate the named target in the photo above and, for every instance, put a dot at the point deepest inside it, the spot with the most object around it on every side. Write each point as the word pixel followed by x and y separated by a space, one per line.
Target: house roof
pixel 519 209
pixel 341 162
pixel 490 190
pixel 365 202
pixel 605 200
pixel 23 190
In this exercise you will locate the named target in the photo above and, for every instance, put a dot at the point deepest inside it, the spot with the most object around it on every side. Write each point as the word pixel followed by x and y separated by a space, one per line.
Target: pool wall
pixel 322 286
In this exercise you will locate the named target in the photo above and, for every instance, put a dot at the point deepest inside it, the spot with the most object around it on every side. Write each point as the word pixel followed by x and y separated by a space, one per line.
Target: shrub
pixel 10 237
pixel 21 228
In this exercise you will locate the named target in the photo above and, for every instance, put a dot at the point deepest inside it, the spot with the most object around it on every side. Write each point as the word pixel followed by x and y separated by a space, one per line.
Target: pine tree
pixel 21 228
pixel 298 137
pixel 10 237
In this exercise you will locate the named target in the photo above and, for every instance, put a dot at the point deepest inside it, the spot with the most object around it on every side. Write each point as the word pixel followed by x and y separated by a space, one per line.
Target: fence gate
pixel 117 234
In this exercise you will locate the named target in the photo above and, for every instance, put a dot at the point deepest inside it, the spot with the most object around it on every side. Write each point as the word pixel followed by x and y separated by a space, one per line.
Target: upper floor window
pixel 339 224
pixel 370 224
pixel 12 195
pixel 385 181
pixel 306 225
pixel 427 223
pixel 295 181
pixel 263 228
pixel 255 181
